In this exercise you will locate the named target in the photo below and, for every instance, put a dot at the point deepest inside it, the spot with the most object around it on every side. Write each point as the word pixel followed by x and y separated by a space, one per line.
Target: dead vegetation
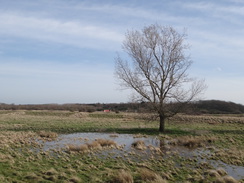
pixel 47 135
pixel 219 176
pixel 210 119
pixel 232 156
pixel 192 141
pixel 122 176
pixel 11 138
pixel 98 144
pixel 150 176
pixel 140 145
pixel 223 139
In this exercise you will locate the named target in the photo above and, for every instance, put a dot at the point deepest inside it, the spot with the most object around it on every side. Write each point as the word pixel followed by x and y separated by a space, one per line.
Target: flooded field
pixel 64 146
pixel 152 147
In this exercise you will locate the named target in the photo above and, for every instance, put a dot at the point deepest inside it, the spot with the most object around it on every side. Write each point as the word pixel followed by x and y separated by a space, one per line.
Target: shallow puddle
pixel 82 138
pixel 127 151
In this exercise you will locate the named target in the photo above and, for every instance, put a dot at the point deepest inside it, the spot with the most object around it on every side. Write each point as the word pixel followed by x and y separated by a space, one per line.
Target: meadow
pixel 194 148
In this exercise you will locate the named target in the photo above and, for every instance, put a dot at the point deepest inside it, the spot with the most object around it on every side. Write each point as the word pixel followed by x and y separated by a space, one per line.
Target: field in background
pixel 222 135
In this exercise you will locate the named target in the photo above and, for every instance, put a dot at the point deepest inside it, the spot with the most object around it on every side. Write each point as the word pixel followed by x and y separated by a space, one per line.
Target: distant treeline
pixel 199 107
pixel 218 107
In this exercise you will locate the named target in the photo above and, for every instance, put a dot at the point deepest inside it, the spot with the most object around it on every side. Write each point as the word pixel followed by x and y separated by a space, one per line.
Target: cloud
pixel 64 32
pixel 227 12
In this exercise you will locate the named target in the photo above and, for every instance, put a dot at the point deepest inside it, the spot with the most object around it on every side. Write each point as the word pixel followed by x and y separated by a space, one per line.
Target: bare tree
pixel 157 70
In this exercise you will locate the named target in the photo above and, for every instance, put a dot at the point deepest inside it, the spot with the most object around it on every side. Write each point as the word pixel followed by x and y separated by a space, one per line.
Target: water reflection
pixel 152 144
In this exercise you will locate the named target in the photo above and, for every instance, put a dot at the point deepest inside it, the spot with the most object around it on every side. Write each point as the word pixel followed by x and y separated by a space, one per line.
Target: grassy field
pixel 222 137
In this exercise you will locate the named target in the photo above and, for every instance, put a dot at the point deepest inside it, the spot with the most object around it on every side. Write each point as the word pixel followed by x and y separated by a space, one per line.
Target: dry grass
pixel 74 179
pixel 48 135
pixel 192 141
pixel 16 158
pixel 212 173
pixel 226 179
pixel 113 135
pixel 98 144
pixel 221 171
pixel 94 145
pixel 78 148
pixel 51 171
pixel 229 179
pixel 106 143
pixel 10 138
pixel 150 176
pixel 232 156
pixel 210 119
pixel 122 176
pixel 140 145
pixel 32 177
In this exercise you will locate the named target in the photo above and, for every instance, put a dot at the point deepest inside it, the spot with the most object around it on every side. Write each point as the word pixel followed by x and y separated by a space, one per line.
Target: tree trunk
pixel 162 123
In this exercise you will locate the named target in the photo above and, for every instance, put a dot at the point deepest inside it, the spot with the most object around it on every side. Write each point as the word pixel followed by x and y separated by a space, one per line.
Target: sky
pixel 63 51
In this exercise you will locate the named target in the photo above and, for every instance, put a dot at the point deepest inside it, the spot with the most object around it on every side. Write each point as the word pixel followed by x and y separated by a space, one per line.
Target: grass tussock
pixel 150 176
pixel 98 144
pixel 48 135
pixel 19 149
pixel 139 145
pixel 75 179
pixel 11 138
pixel 32 177
pixel 232 156
pixel 106 142
pixel 192 141
pixel 122 176
pixel 51 171
pixel 78 148
pixel 220 176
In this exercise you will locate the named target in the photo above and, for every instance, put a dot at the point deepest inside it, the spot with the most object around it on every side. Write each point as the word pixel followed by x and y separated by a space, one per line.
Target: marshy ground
pixel 63 146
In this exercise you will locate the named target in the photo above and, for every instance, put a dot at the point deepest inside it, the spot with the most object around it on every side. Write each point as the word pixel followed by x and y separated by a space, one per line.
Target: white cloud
pixel 230 13
pixel 65 32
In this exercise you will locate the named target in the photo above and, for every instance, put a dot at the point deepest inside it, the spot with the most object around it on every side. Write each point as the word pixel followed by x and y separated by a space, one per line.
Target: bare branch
pixel 157 71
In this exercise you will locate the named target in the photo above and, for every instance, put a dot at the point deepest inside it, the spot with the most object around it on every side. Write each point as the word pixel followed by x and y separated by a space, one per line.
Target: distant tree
pixel 157 70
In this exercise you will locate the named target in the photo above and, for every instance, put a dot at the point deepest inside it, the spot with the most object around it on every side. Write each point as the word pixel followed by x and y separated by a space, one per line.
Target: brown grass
pixel 229 179
pixel 32 176
pixel 95 145
pixel 11 138
pixel 122 176
pixel 140 145
pixel 48 135
pixel 212 173
pixel 150 176
pixel 78 148
pixel 51 171
pixel 74 179
pixel 105 142
pixel 221 171
pixel 191 141
pixel 113 135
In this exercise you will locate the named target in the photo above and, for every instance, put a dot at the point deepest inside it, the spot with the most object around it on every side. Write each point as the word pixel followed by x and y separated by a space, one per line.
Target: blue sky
pixel 62 51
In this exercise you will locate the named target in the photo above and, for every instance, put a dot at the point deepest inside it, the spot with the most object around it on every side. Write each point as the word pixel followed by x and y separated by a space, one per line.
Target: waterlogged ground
pixel 151 147
pixel 47 146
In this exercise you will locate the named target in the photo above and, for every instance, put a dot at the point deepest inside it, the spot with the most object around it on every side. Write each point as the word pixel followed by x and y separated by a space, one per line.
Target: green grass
pixel 49 113
pixel 19 164
pixel 106 115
